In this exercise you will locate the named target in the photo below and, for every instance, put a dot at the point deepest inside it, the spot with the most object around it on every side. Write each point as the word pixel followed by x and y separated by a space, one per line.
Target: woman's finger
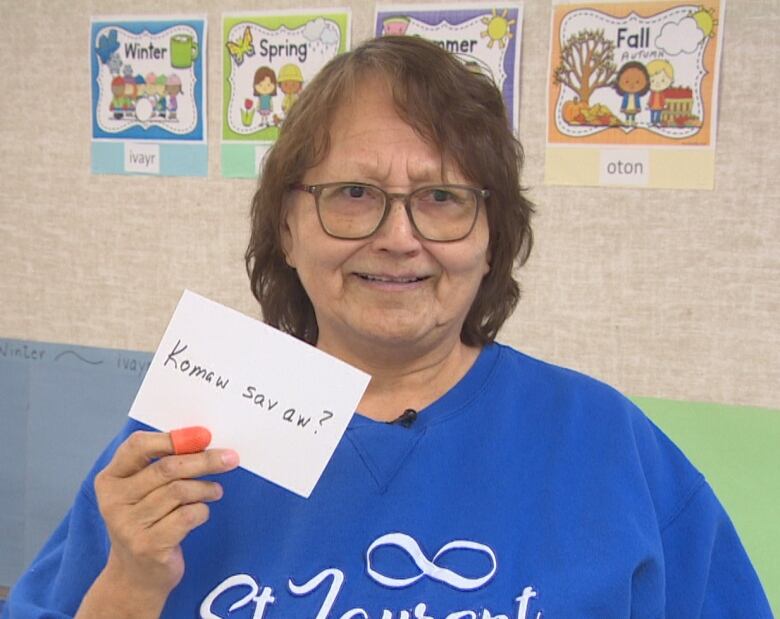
pixel 163 500
pixel 171 530
pixel 141 448
pixel 172 468
pixel 137 451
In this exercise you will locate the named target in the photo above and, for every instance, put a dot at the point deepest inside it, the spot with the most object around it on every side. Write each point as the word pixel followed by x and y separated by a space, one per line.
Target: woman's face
pixel 394 287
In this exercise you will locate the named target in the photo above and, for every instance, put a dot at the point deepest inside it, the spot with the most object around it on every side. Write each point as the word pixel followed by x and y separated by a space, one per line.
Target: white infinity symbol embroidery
pixel 429 567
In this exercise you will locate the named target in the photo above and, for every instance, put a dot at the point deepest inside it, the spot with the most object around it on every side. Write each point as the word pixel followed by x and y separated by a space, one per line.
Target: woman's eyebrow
pixel 425 170
pixel 368 166
pixel 419 170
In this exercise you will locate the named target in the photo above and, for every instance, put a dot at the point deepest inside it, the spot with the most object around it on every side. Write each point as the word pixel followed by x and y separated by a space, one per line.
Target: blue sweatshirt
pixel 527 491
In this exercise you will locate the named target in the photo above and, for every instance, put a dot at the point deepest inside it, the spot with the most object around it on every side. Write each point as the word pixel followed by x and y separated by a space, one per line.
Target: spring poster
pixel 268 59
pixel 148 96
pixel 485 38
pixel 632 94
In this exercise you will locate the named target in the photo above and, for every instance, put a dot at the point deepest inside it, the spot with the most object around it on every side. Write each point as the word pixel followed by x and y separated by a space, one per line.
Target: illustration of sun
pixel 498 28
pixel 705 20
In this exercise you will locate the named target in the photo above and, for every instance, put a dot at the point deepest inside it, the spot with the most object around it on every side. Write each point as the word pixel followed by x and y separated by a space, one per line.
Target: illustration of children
pixel 162 105
pixel 140 87
pixel 632 83
pixel 265 89
pixel 173 89
pixel 130 94
pixel 117 105
pixel 291 83
pixel 151 89
pixel 661 75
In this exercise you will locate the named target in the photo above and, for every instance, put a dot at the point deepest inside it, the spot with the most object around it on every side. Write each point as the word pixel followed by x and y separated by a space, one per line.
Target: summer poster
pixel 148 102
pixel 268 59
pixel 633 94
pixel 485 38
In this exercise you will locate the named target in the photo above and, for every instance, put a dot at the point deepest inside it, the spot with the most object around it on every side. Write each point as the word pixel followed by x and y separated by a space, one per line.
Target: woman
pixel 475 482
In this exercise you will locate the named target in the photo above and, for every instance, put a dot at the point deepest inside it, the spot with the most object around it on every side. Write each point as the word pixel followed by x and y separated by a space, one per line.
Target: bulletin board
pixel 661 293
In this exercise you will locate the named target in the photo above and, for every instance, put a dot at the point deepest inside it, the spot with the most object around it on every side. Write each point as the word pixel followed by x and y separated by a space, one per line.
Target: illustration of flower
pixel 248 113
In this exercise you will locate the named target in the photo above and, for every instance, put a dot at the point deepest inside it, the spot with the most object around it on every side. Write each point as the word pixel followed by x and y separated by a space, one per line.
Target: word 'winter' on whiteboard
pixel 281 403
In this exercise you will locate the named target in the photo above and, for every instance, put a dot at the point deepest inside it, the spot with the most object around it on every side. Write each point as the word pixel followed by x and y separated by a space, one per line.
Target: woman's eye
pixel 440 195
pixel 355 191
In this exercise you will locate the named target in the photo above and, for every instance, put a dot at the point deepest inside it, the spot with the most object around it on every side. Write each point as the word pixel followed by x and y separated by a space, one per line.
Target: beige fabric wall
pixel 663 293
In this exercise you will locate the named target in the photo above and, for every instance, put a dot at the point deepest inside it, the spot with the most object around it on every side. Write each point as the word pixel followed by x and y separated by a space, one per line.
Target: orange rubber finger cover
pixel 190 440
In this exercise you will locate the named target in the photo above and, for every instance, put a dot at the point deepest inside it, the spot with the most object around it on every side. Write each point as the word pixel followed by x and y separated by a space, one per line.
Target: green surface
pixel 238 161
pixel 738 450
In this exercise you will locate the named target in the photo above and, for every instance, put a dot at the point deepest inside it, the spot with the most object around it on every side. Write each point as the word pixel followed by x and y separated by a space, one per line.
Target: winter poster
pixel 635 85
pixel 268 58
pixel 148 96
pixel 485 38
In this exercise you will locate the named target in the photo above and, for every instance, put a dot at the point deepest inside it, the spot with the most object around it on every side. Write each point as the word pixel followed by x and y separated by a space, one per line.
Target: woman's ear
pixel 488 257
pixel 488 265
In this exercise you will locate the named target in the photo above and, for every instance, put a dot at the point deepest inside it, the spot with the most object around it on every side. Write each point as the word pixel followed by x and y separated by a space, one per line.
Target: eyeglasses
pixel 356 210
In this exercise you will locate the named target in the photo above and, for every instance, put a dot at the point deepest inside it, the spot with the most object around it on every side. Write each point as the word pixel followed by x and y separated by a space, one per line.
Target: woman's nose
pixel 397 232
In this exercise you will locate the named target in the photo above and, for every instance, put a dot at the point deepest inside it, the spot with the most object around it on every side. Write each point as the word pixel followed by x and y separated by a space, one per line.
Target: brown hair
pixel 639 67
pixel 261 74
pixel 462 113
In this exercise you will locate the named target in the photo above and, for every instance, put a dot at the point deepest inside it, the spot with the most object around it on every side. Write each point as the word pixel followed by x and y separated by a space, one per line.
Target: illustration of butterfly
pixel 244 47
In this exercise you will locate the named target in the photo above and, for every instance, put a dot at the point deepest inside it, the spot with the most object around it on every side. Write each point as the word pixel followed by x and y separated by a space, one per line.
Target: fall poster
pixel 633 88
pixel 148 104
pixel 268 59
pixel 485 38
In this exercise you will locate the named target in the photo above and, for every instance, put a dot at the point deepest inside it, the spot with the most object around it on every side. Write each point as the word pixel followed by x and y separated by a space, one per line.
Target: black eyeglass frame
pixel 480 196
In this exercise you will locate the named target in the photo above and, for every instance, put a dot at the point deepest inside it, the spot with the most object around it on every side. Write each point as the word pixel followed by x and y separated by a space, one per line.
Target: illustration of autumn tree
pixel 587 63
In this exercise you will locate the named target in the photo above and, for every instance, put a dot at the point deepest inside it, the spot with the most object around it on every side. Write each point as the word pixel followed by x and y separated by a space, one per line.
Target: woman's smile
pixel 394 285
pixel 384 281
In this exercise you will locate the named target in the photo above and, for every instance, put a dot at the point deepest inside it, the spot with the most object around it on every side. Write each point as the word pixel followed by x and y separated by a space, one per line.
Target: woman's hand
pixel 150 500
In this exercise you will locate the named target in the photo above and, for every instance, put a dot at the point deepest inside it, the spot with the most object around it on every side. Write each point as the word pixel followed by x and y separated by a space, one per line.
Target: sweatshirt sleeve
pixel 54 584
pixel 708 572
pixel 70 561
